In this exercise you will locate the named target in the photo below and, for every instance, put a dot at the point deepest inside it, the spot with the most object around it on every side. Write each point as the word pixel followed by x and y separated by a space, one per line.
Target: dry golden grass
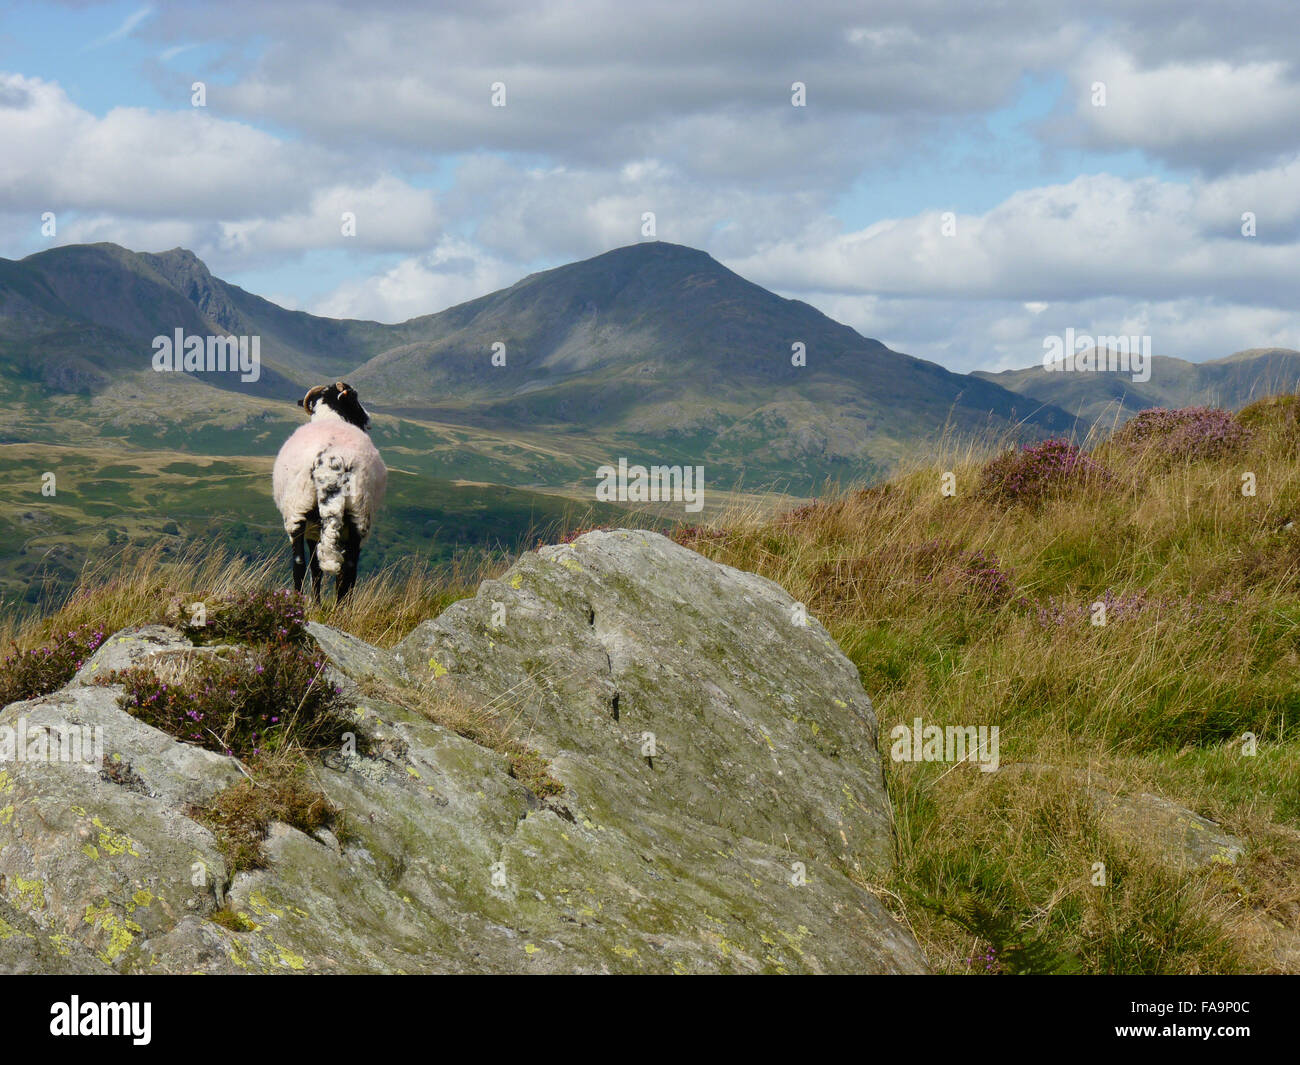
pixel 1157 700
pixel 120 590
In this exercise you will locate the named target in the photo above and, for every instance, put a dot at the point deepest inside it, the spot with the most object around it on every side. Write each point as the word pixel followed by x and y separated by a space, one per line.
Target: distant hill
pixel 655 350
pixel 661 347
pixel 1231 382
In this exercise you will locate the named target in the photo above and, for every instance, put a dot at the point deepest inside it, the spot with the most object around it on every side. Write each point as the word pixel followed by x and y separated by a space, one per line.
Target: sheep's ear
pixel 310 400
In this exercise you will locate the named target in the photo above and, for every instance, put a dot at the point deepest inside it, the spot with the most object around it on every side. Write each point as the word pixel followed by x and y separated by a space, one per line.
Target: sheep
pixel 327 482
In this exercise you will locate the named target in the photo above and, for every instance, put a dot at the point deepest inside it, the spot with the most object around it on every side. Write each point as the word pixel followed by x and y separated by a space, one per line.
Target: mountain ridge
pixel 1232 381
pixel 651 346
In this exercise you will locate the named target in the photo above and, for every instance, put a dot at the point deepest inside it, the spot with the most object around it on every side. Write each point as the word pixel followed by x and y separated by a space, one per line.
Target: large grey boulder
pixel 723 806
pixel 759 721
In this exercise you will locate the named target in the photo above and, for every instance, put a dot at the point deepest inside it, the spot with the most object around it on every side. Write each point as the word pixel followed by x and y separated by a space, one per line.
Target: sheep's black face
pixel 342 399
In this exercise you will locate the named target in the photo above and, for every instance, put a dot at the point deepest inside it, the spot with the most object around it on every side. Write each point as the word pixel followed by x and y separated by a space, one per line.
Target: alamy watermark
pixel 653 484
pixel 51 743
pixel 199 354
pixel 951 743
pixel 1085 354
pixel 77 1018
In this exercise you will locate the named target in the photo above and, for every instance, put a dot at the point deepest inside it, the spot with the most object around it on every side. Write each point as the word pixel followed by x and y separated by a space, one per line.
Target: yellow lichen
pixel 8 931
pixel 262 905
pixel 31 893
pixel 121 932
pixel 114 842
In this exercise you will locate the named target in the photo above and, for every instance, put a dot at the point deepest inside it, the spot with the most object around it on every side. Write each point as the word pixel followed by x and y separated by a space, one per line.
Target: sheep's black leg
pixel 316 578
pixel 297 543
pixel 351 556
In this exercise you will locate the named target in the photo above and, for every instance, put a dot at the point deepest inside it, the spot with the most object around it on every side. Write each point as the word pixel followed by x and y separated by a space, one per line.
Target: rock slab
pixel 723 802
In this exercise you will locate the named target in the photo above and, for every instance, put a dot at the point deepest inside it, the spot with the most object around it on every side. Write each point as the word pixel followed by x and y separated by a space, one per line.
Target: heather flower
pixel 257 615
pixel 984 578
pixel 28 674
pixel 976 575
pixel 1035 472
pixel 245 697
pixel 1118 607
pixel 1189 432
pixel 690 535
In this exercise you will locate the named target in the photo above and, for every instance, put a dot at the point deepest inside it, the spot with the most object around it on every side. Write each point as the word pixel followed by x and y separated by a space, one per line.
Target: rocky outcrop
pixel 722 802
pixel 1179 838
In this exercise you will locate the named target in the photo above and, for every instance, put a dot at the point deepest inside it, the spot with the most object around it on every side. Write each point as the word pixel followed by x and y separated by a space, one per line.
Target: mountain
pixel 668 352
pixel 655 350
pixel 1232 382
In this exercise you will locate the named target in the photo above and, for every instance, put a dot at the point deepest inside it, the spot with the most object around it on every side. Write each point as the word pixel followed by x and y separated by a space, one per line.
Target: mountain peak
pixel 659 248
pixel 179 254
pixel 177 262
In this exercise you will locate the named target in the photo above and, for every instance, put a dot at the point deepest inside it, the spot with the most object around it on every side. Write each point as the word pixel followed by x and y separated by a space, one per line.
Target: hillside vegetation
pixel 978 608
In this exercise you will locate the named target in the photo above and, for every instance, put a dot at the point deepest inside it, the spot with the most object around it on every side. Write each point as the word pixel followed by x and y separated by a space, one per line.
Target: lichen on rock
pixel 720 799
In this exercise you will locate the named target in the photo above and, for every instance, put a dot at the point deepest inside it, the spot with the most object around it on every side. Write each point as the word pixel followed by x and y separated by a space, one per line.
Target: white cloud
pixel 452 273
pixel 685 111
pixel 1209 113
pixel 124 29
pixel 1002 335
pixel 1098 235
pixel 151 179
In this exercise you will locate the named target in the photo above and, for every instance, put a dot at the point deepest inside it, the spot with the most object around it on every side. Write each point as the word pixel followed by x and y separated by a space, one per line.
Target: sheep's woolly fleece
pixel 331 467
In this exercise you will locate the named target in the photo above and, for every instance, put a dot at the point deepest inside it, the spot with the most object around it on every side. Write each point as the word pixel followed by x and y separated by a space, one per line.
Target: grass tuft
pixel 278 789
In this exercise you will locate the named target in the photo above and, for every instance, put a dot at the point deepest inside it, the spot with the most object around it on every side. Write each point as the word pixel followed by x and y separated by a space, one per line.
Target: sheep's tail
pixel 331 477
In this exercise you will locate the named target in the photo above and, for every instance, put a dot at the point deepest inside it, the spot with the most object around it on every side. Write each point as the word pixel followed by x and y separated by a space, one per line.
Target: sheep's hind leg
pixel 297 543
pixel 351 556
pixel 316 577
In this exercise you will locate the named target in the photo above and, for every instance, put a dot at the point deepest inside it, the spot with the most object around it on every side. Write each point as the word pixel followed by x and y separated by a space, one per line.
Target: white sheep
pixel 328 481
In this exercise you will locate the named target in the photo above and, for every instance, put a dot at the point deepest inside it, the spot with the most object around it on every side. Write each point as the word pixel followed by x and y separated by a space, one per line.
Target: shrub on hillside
pixel 694 535
pixel 1062 611
pixel 32 673
pixel 803 513
pixel 985 581
pixel 1189 432
pixel 253 701
pixel 260 616
pixel 1036 472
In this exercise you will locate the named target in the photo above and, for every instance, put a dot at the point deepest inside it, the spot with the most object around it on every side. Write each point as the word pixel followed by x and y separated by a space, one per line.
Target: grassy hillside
pixel 977 608
pixel 168 501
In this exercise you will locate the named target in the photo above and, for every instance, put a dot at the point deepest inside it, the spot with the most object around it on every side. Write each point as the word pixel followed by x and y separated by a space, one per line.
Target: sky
pixel 961 181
